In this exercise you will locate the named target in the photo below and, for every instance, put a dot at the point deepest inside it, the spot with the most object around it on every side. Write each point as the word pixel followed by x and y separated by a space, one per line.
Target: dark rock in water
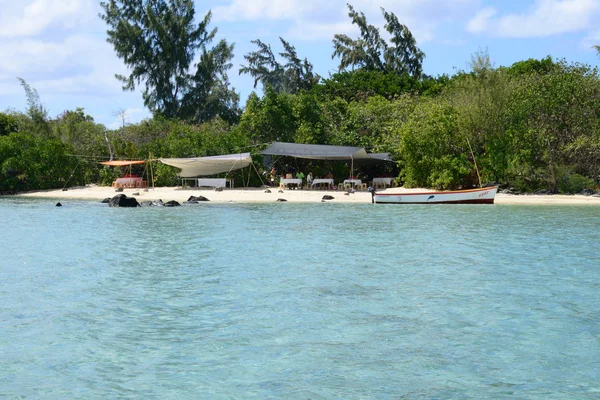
pixel 197 198
pixel 158 203
pixel 587 192
pixel 267 191
pixel 119 190
pixel 327 197
pixel 218 189
pixel 281 200
pixel 172 203
pixel 65 190
pixel 106 200
pixel 135 194
pixel 58 204
pixel 121 200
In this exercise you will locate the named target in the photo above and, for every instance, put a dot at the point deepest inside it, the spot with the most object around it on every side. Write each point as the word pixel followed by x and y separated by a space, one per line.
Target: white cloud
pixel 39 15
pixel 544 18
pixel 317 19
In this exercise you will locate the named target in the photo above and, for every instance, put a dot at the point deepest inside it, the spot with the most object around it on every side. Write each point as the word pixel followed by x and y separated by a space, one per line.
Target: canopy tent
pixel 204 166
pixel 130 180
pixel 323 152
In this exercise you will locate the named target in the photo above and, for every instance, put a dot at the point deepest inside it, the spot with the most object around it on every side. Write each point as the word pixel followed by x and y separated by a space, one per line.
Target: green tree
pixel 38 121
pixel 8 124
pixel 158 41
pixel 291 77
pixel 372 52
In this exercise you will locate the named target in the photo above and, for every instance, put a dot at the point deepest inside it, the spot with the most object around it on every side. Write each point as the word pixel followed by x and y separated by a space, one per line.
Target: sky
pixel 59 46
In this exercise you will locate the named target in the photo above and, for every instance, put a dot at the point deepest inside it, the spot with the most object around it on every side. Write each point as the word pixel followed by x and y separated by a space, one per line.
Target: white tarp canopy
pixel 205 166
pixel 323 152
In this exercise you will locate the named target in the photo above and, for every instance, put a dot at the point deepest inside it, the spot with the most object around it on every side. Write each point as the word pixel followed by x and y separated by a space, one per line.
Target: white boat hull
pixel 474 196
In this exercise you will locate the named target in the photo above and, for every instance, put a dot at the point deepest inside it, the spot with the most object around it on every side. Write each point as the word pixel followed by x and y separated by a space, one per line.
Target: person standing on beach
pixel 300 175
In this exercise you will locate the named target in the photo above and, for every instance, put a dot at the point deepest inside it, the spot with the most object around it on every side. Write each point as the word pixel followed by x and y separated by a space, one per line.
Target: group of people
pixel 292 174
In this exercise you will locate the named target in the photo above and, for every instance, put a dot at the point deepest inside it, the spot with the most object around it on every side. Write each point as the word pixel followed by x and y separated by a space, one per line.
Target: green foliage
pixel 373 53
pixel 8 124
pixel 158 41
pixel 37 123
pixel 533 66
pixel 294 76
pixel 571 182
pixel 28 163
pixel 433 154
pixel 269 119
pixel 107 175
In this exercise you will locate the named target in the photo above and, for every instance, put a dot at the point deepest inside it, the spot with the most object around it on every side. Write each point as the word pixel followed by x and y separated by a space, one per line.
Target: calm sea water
pixel 299 301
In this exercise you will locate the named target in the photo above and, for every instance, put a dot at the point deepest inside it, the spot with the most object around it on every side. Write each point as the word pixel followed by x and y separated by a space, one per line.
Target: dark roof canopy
pixel 323 152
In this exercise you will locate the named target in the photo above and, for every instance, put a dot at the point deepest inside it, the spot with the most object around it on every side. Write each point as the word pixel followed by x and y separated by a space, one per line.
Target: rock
pixel 65 190
pixel 542 192
pixel 158 203
pixel 281 200
pixel 121 200
pixel 106 200
pixel 58 204
pixel 587 192
pixel 197 199
pixel 327 197
pixel 218 189
pixel 135 194
pixel 172 203
pixel 347 194
pixel 281 191
pixel 267 191
pixel 145 190
pixel 119 190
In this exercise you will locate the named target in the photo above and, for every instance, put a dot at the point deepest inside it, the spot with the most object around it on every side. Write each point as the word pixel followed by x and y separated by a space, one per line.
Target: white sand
pixel 255 195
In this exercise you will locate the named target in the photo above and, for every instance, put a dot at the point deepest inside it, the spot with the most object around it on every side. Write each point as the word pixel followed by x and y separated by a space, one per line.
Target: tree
pixel 372 52
pixel 8 124
pixel 158 41
pixel 291 77
pixel 480 62
pixel 38 115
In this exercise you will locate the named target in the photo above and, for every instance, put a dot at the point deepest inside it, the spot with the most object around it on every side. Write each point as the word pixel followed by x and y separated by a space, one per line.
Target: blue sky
pixel 59 46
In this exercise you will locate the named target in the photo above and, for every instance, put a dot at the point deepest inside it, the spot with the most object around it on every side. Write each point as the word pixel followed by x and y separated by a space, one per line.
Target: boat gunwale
pixel 439 192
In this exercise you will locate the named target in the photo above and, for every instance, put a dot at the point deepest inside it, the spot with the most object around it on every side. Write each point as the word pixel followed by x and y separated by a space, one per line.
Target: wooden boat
pixel 473 196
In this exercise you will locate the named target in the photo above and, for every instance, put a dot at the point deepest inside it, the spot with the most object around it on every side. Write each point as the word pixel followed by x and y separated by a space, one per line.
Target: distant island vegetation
pixel 534 125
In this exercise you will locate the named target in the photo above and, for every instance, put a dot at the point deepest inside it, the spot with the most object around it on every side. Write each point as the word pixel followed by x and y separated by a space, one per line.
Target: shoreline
pixel 258 195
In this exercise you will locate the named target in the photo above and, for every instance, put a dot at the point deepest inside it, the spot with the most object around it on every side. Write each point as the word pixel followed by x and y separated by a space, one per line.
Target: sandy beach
pixel 258 195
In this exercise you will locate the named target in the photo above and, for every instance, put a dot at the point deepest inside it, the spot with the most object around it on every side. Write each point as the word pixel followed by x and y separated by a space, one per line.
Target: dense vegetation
pixel 534 125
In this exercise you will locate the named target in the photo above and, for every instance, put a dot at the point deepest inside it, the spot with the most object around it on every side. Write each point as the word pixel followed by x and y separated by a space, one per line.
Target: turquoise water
pixel 299 301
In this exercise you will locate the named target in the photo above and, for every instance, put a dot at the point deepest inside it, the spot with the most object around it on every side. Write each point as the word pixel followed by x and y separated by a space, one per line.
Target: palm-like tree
pixel 373 53
pixel 291 77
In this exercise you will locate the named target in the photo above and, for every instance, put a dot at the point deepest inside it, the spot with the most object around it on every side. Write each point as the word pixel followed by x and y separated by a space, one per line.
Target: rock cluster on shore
pixel 122 200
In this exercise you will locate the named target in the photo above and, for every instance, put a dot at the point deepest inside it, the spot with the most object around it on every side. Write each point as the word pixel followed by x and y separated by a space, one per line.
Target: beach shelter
pixel 325 152
pixel 206 166
pixel 129 180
